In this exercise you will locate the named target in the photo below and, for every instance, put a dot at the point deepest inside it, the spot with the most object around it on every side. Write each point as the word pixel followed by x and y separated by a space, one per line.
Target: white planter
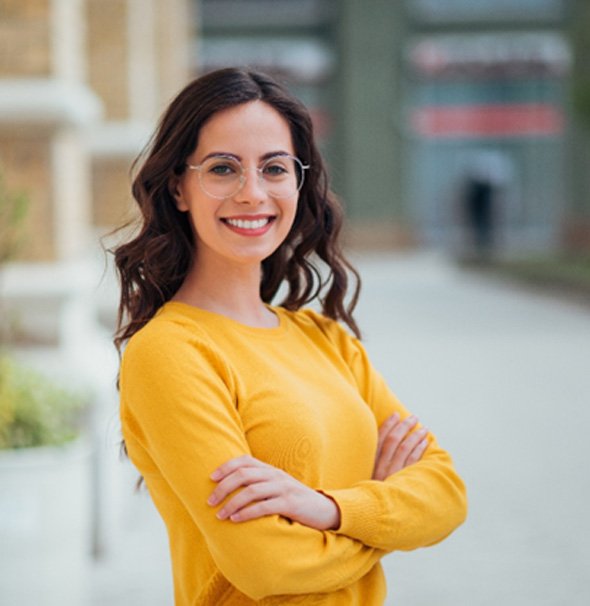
pixel 45 525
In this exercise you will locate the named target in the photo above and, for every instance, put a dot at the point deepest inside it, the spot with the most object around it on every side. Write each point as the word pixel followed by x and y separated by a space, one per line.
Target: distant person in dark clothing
pixel 479 213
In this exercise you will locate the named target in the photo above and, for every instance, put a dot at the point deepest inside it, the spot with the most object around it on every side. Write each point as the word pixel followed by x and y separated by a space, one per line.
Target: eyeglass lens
pixel 223 177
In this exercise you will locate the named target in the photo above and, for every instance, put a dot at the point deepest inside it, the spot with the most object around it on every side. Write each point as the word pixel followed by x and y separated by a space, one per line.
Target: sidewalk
pixel 502 377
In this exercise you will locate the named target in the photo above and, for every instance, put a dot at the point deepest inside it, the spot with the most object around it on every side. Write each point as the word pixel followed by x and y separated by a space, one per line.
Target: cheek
pixel 197 220
pixel 204 224
pixel 292 208
pixel 294 211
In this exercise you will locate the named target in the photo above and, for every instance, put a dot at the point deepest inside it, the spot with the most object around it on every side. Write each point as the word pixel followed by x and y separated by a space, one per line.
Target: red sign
pixel 513 120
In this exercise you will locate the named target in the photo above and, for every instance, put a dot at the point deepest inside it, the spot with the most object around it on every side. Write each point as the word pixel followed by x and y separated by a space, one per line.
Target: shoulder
pixel 168 337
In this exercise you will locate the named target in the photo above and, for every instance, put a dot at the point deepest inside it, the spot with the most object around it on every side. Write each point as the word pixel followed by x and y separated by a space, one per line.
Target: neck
pixel 227 289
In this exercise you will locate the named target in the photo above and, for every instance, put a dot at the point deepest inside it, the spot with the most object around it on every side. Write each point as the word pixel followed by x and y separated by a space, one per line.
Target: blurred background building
pixel 485 105
pixel 413 102
pixel 420 105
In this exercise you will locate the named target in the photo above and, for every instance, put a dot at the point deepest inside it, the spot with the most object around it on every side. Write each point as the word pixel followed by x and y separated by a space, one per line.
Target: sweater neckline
pixel 222 321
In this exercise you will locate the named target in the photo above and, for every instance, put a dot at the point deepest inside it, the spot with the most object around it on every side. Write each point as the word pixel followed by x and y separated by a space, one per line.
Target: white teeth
pixel 244 224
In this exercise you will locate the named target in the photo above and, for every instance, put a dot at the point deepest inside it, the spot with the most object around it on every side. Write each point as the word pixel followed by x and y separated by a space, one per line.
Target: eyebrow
pixel 266 156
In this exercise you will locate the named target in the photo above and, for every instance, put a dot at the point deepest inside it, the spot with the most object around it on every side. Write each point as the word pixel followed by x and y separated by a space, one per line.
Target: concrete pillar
pixel 577 219
pixel 368 105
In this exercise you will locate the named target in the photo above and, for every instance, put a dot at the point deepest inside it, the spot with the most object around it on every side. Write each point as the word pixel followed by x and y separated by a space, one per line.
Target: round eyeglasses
pixel 223 177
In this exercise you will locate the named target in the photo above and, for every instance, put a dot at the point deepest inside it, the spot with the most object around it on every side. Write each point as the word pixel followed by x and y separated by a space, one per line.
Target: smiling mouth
pixel 249 224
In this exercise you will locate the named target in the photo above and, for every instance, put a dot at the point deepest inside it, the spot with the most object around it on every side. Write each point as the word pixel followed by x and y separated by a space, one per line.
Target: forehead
pixel 252 128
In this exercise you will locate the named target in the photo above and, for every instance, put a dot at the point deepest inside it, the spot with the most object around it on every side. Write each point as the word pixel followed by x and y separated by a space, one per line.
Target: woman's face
pixel 248 226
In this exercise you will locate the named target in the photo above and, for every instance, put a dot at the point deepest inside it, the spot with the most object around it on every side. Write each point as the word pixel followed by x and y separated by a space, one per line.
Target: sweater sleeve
pixel 180 422
pixel 415 507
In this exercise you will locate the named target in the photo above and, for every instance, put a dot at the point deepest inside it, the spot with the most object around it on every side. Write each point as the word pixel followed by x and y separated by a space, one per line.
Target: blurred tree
pixel 577 228
pixel 580 35
pixel 13 209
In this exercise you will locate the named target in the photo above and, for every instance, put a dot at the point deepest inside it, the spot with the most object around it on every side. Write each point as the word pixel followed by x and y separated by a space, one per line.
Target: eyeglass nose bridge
pixel 261 183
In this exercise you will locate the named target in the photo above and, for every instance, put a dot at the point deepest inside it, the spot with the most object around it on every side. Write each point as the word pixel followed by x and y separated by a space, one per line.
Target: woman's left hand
pixel 267 490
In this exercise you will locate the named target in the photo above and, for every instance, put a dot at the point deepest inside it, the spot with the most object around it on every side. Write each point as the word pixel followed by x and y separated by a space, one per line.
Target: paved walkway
pixel 502 376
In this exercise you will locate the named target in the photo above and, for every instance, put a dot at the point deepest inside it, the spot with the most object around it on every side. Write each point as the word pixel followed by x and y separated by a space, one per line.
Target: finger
pixel 395 437
pixel 234 464
pixel 417 453
pixel 248 497
pixel 384 430
pixel 244 476
pixel 403 451
pixel 258 510
pixel 392 441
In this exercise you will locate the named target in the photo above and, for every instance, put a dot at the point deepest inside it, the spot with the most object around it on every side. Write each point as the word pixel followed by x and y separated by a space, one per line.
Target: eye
pixel 275 168
pixel 221 167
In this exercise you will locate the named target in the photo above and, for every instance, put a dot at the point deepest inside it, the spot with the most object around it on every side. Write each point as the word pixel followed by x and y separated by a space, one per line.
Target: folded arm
pixel 402 507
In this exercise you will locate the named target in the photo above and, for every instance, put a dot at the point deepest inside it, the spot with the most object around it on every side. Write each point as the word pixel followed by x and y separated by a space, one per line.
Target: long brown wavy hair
pixel 153 265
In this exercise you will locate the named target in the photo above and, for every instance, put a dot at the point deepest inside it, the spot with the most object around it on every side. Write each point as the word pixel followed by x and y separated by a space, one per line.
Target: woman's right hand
pixel 398 446
pixel 267 490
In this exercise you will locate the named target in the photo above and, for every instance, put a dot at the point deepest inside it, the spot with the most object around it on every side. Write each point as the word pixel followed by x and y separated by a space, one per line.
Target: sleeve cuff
pixel 359 513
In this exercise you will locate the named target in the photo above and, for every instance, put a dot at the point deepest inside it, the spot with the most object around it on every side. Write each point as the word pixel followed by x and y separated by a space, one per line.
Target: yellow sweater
pixel 198 389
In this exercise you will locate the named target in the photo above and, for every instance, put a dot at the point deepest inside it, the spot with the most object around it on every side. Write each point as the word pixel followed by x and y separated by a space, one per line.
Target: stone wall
pixel 25 41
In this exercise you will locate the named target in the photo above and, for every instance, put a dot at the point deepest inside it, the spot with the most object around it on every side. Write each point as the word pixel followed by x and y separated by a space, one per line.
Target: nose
pixel 252 190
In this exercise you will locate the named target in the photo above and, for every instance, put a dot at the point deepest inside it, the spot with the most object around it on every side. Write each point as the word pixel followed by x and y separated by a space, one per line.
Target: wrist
pixel 332 517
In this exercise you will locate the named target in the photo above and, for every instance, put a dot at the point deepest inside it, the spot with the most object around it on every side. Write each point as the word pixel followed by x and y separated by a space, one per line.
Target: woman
pixel 281 463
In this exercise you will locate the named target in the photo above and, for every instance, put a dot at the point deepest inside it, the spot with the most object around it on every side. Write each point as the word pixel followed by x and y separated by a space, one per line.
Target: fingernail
pixel 211 500
pixel 221 514
pixel 216 475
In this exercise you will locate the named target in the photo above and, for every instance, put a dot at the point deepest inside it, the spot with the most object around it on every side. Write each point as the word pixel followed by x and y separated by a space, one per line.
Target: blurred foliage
pixel 35 411
pixel 13 210
pixel 580 37
pixel 565 268
pixel 568 275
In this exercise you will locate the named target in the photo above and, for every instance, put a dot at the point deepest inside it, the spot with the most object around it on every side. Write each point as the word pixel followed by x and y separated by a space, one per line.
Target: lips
pixel 255 225
pixel 248 223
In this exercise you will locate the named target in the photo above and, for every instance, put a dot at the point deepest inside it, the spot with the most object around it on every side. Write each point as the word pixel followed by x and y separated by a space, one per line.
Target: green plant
pixel 35 411
pixel 13 210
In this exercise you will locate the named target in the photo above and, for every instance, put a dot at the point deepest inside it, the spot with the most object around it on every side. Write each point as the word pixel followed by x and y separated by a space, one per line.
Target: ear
pixel 175 189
